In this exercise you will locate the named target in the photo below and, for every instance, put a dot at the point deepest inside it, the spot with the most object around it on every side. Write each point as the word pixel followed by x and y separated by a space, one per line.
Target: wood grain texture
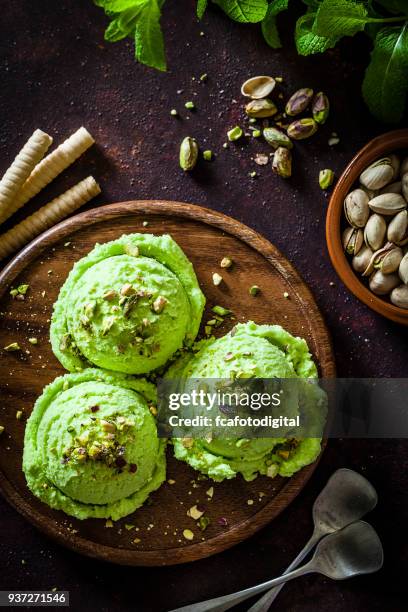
pixel 206 237
pixel 378 147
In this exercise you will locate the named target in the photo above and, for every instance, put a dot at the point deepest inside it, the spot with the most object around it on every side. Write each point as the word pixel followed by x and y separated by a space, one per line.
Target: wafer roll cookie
pixel 14 178
pixel 49 168
pixel 48 215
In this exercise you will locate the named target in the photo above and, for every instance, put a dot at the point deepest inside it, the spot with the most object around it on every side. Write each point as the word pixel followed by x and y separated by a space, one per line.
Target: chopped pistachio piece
pixel 22 289
pixel 159 304
pixel 190 105
pixel 13 293
pixel 253 174
pixel 33 340
pixel 171 481
pixel 286 295
pixel 207 155
pixel 220 310
pixel 208 330
pixel 326 178
pixel 235 133
pixel 254 290
pixel 1 429
pixel 203 522
pixel 132 250
pixel 19 415
pixel 174 112
pixel 188 534
pixel 14 346
pixel 210 492
pixel 109 523
pixel 195 513
pixel 226 262
pixel 145 223
pixel 225 145
pixel 217 279
pixel 256 133
pixel 204 77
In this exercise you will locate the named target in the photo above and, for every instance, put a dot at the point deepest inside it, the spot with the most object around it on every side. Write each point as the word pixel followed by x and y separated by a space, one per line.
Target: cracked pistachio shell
pixel 398 227
pixel 388 259
pixel 258 87
pixel 403 269
pixel 388 204
pixel 299 101
pixel 382 284
pixel 378 174
pixel 374 232
pixel 404 186
pixel 261 108
pixel 356 208
pixel 353 240
pixel 399 296
pixel 362 259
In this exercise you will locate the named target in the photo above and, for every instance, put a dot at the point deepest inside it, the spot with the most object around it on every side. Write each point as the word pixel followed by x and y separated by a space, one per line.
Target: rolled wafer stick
pixel 48 216
pixel 50 167
pixel 21 168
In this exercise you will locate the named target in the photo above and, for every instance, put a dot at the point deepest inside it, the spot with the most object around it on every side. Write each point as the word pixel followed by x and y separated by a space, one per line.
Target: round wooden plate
pixel 205 236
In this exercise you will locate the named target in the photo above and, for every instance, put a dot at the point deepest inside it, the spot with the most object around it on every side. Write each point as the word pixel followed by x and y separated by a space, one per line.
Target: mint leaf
pixel 149 38
pixel 269 27
pixel 307 42
pixel 244 11
pixel 338 18
pixel 385 84
pixel 201 8
pixel 117 6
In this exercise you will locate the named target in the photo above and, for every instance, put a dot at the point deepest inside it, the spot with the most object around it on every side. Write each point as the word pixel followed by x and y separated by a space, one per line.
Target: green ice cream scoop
pixel 127 306
pixel 252 351
pixel 91 447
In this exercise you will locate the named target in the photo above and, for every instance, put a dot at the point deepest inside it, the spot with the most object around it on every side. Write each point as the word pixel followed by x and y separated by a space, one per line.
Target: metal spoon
pixel 347 497
pixel 354 550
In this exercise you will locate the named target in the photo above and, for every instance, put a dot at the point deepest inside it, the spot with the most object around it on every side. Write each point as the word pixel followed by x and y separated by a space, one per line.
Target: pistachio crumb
pixel 170 481
pixel 1 429
pixel 190 105
pixel 188 534
pixel 137 541
pixel 207 155
pixel 235 133
pixel 33 340
pixel 195 513
pixel 286 295
pixel 217 279
pixel 159 304
pixel 14 346
pixel 226 262
pixel 145 223
pixel 109 523
pixel 19 415
pixel 204 77
pixel 250 502
pixel 174 112
pixel 210 492
pixel 254 290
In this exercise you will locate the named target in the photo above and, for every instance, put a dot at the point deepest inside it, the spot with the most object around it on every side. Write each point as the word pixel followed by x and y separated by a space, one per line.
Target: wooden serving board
pixel 206 237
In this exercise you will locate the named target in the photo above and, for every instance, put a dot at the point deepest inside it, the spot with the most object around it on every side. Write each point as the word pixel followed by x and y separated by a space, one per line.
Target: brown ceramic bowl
pixel 376 148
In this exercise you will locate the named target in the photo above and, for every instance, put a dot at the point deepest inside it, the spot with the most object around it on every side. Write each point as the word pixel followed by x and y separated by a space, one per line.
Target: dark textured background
pixel 57 73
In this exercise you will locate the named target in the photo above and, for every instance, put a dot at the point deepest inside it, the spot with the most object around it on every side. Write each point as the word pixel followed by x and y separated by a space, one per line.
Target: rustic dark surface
pixel 56 73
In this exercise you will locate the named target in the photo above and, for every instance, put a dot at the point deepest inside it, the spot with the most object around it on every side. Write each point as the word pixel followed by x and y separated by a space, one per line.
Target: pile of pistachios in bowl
pixel 377 234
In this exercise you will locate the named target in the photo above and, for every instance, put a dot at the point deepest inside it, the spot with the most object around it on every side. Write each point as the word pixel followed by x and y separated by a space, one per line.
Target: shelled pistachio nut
pixel 387 204
pixel 397 229
pixel 302 128
pixel 395 187
pixel 320 107
pixel 382 284
pixel 399 296
pixel 299 101
pixel 374 232
pixel 326 178
pixel 258 87
pixel 261 108
pixel 353 240
pixel 282 162
pixel 378 174
pixel 356 208
pixel 276 138
pixel 362 259
pixel 403 269
pixel 188 153
pixel 404 185
pixel 388 258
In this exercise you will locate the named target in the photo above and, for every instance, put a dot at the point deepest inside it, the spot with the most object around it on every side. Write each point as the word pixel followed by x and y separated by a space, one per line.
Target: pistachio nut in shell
pixel 258 87
pixel 378 174
pixel 356 208
pixel 388 258
pixel 395 187
pixel 382 284
pixel 362 259
pixel 387 203
pixel 403 269
pixel 188 153
pixel 396 164
pixel 320 107
pixel 276 138
pixel 282 162
pixel 399 296
pixel 374 232
pixel 404 166
pixel 302 128
pixel 353 240
pixel 299 101
pixel 398 226
pixel 261 108
pixel 404 185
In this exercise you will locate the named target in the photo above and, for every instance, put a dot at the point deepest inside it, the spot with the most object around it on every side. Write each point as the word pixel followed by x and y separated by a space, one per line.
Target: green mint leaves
pixel 269 27
pixel 338 18
pixel 244 11
pixel 385 84
pixel 141 19
pixel 201 8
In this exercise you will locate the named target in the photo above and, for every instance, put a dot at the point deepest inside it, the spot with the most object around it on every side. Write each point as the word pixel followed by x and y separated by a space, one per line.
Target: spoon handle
pixel 220 604
pixel 263 604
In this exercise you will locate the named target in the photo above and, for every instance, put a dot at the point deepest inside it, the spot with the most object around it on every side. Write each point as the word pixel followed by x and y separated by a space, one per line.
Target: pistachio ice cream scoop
pixel 253 351
pixel 127 306
pixel 91 447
